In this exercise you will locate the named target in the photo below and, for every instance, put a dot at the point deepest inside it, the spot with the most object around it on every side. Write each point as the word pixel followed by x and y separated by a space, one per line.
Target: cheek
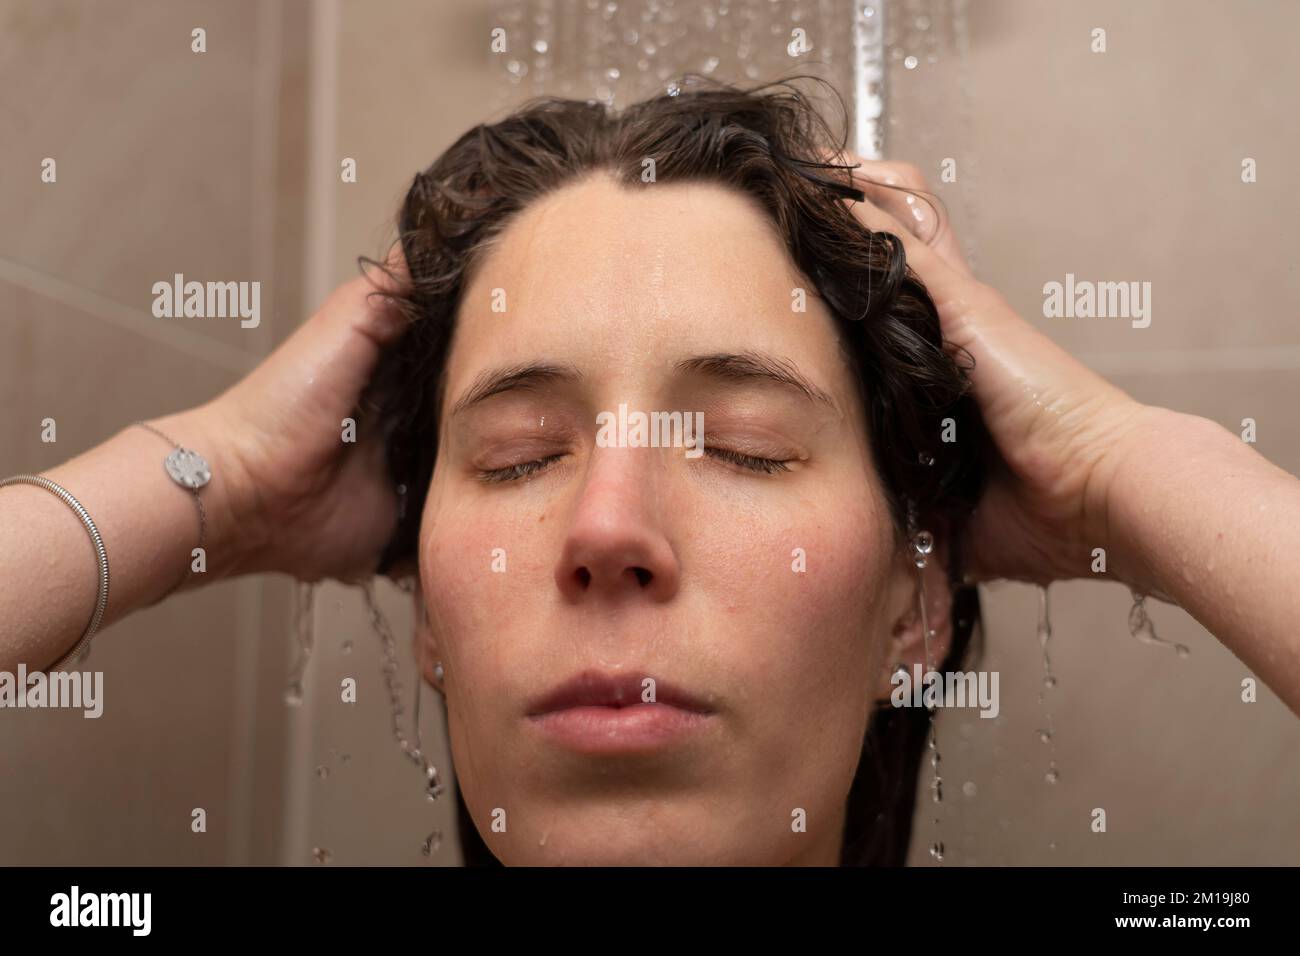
pixel 812 577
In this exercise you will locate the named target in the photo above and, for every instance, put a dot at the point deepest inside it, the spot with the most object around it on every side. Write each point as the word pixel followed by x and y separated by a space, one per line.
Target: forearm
pixel 49 580
pixel 1202 519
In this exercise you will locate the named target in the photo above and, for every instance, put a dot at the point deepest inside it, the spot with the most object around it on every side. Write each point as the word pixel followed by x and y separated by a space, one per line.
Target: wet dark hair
pixel 768 143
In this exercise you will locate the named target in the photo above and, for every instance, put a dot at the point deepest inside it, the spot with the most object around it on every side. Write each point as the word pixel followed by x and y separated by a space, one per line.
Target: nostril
pixel 584 577
pixel 642 576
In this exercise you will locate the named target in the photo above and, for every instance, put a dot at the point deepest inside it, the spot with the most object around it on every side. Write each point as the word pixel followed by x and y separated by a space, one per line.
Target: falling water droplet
pixel 923 543
pixel 303 614
pixel 925 459
pixel 433 787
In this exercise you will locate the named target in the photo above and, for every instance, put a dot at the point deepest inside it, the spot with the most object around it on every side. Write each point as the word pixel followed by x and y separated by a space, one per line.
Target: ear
pixel 906 644
pixel 423 641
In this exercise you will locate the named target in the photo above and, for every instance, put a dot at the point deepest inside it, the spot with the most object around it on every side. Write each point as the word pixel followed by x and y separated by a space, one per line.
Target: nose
pixel 616 548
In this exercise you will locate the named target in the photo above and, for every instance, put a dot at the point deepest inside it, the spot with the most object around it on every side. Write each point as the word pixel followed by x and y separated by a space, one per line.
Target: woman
pixel 676 654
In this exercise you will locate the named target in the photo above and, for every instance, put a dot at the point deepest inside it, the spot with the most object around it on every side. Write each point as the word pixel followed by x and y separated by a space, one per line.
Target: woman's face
pixel 756 585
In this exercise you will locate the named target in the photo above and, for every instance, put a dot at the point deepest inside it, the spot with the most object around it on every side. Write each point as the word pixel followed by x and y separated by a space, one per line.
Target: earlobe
pixel 424 643
pixel 907 642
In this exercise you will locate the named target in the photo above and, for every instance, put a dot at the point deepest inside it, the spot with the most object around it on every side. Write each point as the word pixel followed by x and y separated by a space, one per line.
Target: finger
pixel 894 187
pixel 1013 359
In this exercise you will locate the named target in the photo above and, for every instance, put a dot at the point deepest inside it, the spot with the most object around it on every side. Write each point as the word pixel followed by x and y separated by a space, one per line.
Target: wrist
pixel 1152 468
pixel 234 534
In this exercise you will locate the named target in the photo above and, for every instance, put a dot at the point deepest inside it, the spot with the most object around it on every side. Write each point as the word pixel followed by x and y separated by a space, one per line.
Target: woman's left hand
pixel 1062 431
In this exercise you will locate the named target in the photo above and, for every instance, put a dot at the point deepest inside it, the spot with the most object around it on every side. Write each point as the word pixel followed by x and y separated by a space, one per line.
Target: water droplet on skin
pixel 321 855
pixel 611 74
pixel 431 843
pixel 347 647
pixel 1044 736
pixel 910 63
pixel 293 696
pixel 923 458
pixel 322 771
pixel 923 542
pixel 1052 775
pixel 710 64
pixel 968 788
pixel 674 89
pixel 936 850
pixel 1143 628
pixel 541 46
pixel 1049 681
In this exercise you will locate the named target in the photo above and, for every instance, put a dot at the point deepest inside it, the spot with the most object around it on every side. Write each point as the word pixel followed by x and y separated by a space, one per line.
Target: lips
pixel 593 688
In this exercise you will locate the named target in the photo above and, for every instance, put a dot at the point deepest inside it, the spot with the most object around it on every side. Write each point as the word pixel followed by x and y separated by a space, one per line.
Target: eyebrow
pixel 743 367
pixel 512 378
pixel 756 367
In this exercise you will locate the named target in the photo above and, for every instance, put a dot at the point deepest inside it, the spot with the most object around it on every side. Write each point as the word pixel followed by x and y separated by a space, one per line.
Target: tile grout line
pixel 128 318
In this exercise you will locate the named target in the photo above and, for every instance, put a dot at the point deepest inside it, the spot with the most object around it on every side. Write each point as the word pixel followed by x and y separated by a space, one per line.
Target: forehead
pixel 610 274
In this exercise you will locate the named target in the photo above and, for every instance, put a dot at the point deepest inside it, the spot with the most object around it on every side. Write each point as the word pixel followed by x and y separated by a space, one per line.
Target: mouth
pixel 605 714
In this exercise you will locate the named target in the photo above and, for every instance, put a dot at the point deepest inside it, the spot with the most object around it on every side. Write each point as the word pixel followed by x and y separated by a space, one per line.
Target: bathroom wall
pixel 167 161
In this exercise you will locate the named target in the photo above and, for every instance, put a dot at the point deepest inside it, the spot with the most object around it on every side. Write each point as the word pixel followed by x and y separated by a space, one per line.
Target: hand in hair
pixel 1184 510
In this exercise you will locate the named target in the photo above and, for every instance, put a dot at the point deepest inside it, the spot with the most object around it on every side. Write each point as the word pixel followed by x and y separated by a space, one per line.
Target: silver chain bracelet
pixel 189 470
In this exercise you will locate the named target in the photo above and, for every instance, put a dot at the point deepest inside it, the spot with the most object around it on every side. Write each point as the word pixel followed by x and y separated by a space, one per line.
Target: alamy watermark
pixel 208 300
pixel 63 689
pixel 75 908
pixel 951 689
pixel 651 430
pixel 1084 299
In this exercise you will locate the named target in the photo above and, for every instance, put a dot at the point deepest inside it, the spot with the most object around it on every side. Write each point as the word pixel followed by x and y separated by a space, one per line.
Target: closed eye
pixel 527 469
pixel 767 466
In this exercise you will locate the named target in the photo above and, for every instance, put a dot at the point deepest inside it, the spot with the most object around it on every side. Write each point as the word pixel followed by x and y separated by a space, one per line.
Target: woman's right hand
pixel 304 501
